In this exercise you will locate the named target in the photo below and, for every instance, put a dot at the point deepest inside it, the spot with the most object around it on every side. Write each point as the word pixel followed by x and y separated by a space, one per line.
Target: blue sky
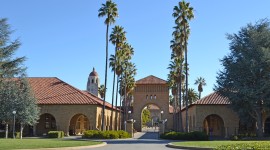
pixel 66 39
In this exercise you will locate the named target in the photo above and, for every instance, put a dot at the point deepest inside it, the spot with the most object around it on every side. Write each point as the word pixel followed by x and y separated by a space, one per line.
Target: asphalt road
pixel 141 141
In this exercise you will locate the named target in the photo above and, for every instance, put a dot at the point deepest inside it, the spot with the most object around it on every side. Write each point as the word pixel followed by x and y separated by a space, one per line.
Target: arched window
pixel 155 97
pixel 151 97
pixel 96 80
pixel 146 96
pixel 92 80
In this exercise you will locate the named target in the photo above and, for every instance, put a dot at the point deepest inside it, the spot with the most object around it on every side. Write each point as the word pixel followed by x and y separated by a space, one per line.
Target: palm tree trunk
pixel 116 115
pixel 174 113
pixel 186 63
pixel 106 68
pixel 113 89
pixel 199 94
pixel 180 103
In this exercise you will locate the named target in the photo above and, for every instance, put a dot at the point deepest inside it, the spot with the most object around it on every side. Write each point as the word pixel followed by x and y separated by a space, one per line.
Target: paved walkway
pixel 140 141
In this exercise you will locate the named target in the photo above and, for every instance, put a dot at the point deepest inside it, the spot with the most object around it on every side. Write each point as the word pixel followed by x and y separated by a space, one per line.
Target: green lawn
pixel 6 144
pixel 211 144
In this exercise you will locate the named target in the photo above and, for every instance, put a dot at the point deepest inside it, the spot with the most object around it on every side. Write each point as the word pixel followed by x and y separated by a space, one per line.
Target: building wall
pixel 142 98
pixel 198 113
pixel 64 113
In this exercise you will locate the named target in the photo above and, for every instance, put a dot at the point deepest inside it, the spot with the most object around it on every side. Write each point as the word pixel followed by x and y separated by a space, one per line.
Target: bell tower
pixel 93 83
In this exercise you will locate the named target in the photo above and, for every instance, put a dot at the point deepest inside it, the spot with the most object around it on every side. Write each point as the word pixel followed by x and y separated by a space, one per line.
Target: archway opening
pixel 78 124
pixel 267 127
pixel 213 125
pixel 45 124
pixel 151 115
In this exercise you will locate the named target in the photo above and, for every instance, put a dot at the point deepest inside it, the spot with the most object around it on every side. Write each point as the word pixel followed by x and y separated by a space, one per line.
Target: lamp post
pixel 161 114
pixel 129 112
pixel 14 113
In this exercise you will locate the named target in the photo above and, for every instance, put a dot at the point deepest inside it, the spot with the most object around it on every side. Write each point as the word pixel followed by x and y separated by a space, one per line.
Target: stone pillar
pixel 129 126
pixel 226 132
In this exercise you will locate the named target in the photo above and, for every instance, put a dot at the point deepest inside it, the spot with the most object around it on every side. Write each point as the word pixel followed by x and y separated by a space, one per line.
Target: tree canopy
pixel 245 78
pixel 15 92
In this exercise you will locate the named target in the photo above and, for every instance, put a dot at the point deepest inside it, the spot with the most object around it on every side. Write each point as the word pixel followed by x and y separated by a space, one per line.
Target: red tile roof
pixel 151 80
pixel 213 99
pixel 52 90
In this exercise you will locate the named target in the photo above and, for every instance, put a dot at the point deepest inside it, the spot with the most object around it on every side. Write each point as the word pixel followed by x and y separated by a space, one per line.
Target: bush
pixel 56 134
pixel 192 136
pixel 10 135
pixel 94 134
pixel 245 146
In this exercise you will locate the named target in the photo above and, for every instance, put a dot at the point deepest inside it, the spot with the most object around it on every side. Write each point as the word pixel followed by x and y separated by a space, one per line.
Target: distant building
pixel 93 83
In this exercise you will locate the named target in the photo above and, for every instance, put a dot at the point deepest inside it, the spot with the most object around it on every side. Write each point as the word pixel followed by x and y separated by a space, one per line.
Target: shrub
pixel 56 134
pixel 245 146
pixel 94 134
pixel 192 136
pixel 10 135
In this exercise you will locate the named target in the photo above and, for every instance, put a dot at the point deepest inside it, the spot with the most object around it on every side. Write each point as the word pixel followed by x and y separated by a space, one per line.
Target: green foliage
pixel 191 136
pixel 94 134
pixel 145 116
pixel 56 134
pixel 10 135
pixel 245 146
pixel 245 78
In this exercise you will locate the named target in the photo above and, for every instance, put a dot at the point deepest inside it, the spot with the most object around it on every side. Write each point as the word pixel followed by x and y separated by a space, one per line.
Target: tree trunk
pixel 6 131
pixel 106 66
pixel 186 63
pixel 111 127
pixel 21 131
pixel 116 115
pixel 180 104
pixel 199 95
pixel 259 124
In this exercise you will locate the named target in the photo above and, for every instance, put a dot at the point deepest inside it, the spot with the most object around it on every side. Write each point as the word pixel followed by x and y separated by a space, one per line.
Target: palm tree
pixel 184 13
pixel 200 82
pixel 101 91
pixel 117 37
pixel 192 96
pixel 109 9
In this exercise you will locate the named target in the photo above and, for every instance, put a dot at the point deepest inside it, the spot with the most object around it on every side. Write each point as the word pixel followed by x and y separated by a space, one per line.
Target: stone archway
pixel 151 121
pixel 151 90
pixel 214 125
pixel 45 124
pixel 78 124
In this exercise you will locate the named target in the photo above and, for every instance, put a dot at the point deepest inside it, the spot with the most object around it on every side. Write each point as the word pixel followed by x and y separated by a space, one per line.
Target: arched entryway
pixel 267 126
pixel 45 124
pixel 213 125
pixel 151 115
pixel 78 124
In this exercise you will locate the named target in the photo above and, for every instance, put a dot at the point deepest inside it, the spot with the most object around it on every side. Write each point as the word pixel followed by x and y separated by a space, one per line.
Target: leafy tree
pixel 15 93
pixel 200 82
pixel 245 78
pixel 109 9
pixel 145 116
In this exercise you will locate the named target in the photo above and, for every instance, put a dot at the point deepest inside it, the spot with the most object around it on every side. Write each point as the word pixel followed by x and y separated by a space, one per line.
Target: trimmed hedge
pixel 56 134
pixel 10 135
pixel 245 146
pixel 94 134
pixel 191 136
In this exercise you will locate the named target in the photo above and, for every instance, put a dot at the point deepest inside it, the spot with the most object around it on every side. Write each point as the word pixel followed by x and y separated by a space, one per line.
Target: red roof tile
pixel 52 90
pixel 213 99
pixel 151 80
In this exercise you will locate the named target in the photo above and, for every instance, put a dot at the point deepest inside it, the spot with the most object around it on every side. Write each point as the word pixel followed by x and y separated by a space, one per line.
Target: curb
pixel 183 147
pixel 72 148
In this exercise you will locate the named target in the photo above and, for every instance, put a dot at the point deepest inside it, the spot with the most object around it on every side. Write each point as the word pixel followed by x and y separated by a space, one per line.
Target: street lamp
pixel 161 115
pixel 14 113
pixel 129 112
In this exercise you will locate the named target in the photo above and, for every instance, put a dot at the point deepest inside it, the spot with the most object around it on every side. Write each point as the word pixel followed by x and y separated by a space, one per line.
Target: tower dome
pixel 93 83
pixel 94 73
